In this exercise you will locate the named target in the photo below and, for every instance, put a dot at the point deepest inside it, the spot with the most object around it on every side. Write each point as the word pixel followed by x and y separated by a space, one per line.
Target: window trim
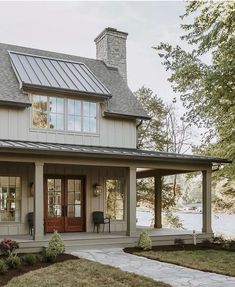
pixel 65 130
pixel 123 185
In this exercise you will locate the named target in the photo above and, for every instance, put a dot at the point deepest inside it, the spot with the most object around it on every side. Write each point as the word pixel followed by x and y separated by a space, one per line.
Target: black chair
pixel 98 218
pixel 30 218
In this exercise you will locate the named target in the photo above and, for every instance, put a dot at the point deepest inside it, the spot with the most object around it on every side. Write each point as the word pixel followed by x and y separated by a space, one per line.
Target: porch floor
pixel 153 232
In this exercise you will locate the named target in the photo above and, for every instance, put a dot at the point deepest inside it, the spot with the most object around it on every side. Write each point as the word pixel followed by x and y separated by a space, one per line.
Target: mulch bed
pixel 4 278
pixel 199 246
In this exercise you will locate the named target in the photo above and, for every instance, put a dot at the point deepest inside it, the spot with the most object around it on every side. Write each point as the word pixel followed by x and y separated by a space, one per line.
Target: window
pixel 50 113
pixel 10 198
pixel 115 199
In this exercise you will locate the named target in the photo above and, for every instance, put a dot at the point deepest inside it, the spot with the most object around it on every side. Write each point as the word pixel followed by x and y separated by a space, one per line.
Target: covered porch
pixel 33 162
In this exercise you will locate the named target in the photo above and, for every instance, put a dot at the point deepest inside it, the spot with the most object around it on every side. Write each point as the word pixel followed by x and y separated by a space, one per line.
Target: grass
pixel 217 261
pixel 81 273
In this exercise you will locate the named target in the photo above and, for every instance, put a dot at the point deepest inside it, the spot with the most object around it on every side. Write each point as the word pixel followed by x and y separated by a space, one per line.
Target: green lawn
pixel 81 273
pixel 218 261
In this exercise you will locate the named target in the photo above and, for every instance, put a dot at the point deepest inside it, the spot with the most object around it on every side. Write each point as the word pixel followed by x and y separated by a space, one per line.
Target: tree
pixel 165 132
pixel 152 134
pixel 204 77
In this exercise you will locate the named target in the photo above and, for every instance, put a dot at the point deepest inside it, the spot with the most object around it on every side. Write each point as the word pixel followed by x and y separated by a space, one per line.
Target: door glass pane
pixel 70 184
pixel 71 197
pixel 77 197
pixel 77 210
pixel 77 185
pixel 57 198
pixel 70 212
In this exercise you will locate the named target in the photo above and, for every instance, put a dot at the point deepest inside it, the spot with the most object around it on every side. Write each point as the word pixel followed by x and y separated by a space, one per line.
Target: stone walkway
pixel 174 275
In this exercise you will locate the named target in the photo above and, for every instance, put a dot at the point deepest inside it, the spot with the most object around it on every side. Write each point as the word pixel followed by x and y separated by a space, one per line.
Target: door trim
pixel 64 178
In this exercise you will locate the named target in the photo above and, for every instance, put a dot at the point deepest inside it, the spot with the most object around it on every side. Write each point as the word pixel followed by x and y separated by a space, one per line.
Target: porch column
pixel 206 201
pixel 131 201
pixel 158 201
pixel 38 202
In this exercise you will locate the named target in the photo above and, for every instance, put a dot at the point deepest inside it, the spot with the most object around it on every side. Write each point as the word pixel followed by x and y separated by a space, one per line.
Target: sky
pixel 70 27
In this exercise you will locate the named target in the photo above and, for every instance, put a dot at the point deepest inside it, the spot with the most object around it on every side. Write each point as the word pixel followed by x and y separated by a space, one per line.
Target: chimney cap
pixel 111 30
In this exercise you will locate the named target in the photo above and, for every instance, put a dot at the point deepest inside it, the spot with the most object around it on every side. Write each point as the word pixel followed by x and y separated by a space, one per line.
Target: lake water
pixel 222 223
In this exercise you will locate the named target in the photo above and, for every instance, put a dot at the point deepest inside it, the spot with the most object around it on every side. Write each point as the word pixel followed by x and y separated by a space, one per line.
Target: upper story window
pixel 56 113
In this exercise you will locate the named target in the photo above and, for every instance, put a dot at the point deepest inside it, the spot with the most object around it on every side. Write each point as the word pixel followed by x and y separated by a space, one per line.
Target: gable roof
pixel 122 102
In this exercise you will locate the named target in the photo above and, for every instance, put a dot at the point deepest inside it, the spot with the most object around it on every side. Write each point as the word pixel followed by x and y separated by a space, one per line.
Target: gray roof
pixel 120 153
pixel 122 102
pixel 36 71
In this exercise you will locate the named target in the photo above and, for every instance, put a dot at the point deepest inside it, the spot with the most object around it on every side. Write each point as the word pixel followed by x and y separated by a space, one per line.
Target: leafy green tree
pixel 162 133
pixel 204 77
pixel 152 134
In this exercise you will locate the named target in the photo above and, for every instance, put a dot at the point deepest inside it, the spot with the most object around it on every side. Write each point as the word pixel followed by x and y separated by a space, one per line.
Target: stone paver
pixel 174 275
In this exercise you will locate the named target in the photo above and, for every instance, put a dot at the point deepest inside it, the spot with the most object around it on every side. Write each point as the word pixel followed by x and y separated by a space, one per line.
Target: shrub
pixel 232 245
pixel 145 241
pixel 29 259
pixel 3 266
pixel 8 246
pixel 55 247
pixel 206 243
pixel 13 261
pixel 49 255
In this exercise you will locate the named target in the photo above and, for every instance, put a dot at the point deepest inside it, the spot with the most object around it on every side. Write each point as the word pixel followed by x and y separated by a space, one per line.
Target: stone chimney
pixel 111 48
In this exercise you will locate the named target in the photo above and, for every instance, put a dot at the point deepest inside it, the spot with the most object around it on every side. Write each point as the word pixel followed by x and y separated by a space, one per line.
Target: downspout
pixel 137 126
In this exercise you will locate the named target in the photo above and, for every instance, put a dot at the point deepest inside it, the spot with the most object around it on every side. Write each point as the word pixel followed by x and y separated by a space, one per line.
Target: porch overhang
pixel 125 154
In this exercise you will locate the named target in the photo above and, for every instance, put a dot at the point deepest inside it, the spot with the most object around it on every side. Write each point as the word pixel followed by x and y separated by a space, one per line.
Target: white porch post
pixel 206 201
pixel 38 202
pixel 131 201
pixel 158 201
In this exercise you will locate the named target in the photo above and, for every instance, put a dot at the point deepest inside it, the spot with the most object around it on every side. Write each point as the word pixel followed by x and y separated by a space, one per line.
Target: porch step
pixel 72 244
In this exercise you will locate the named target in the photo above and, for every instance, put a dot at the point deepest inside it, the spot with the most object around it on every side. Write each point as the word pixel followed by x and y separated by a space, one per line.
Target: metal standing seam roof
pixel 52 73
pixel 104 151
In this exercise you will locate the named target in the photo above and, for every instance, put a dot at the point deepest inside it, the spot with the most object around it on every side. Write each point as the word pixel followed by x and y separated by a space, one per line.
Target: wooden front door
pixel 64 204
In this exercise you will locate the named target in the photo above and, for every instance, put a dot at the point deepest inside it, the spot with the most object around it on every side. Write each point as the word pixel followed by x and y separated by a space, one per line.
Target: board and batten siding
pixel 94 175
pixel 15 124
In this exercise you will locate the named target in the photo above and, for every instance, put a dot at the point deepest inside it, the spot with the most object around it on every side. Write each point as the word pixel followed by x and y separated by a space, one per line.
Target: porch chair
pixel 98 218
pixel 30 218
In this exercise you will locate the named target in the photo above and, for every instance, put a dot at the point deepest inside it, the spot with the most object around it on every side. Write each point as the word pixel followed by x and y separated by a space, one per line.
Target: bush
pixel 145 241
pixel 13 261
pixel 29 259
pixel 3 266
pixel 55 247
pixel 50 255
pixel 8 246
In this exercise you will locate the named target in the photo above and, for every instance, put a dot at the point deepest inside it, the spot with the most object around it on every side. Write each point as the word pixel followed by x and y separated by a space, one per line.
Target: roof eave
pixel 31 87
pixel 204 161
pixel 15 104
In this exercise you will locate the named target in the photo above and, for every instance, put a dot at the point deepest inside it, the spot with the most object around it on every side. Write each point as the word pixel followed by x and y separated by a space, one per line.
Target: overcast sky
pixel 70 27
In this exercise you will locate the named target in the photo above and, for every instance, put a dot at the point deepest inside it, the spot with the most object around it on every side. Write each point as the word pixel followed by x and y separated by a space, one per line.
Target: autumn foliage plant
pixel 8 246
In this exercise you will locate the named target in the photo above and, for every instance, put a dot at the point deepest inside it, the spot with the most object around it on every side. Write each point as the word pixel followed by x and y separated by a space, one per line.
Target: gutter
pixel 125 116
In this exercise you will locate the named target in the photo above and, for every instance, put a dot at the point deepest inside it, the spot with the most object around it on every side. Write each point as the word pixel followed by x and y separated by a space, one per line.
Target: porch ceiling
pixel 28 147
